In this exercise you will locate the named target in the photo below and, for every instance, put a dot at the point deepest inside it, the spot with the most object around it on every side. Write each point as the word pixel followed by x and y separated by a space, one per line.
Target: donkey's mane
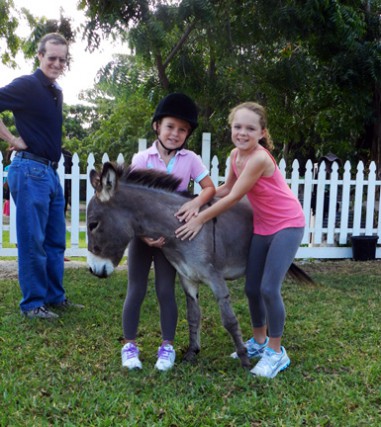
pixel 148 178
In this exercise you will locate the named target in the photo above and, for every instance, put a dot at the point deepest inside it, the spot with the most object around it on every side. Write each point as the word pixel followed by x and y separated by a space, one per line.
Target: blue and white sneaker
pixel 271 363
pixel 130 356
pixel 166 356
pixel 254 349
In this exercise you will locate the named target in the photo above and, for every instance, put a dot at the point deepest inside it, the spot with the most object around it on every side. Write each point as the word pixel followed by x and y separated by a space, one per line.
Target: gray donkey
pixel 132 203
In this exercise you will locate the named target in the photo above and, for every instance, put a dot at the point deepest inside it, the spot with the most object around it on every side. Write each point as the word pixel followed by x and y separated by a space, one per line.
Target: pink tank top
pixel 275 206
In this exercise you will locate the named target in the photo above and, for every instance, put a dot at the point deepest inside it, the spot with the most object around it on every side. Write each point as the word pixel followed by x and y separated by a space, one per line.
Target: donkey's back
pixel 220 248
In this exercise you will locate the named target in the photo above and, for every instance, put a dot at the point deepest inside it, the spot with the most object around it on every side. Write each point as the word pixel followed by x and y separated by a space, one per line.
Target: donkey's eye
pixel 93 226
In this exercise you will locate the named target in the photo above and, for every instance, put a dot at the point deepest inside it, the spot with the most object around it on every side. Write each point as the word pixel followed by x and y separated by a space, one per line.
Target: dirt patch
pixel 8 269
pixel 341 266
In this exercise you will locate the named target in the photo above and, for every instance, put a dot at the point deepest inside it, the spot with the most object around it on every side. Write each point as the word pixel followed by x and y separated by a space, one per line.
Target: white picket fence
pixel 353 204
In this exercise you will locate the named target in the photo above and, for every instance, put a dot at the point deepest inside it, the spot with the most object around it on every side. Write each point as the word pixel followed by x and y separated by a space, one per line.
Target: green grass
pixel 68 372
pixel 81 239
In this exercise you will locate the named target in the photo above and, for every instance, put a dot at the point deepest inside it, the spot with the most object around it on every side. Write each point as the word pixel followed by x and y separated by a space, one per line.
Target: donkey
pixel 131 203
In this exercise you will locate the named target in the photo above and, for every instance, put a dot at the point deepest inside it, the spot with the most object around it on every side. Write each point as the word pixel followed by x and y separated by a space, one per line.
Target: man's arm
pixel 16 143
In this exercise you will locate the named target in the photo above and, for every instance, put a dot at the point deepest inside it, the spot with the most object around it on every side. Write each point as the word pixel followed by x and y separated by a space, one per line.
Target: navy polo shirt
pixel 36 105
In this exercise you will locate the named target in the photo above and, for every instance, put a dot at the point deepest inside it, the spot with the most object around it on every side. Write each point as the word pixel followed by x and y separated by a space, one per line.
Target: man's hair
pixel 54 38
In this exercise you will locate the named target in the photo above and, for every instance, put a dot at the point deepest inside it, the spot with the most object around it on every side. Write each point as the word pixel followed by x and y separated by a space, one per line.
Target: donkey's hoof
pixel 190 356
pixel 244 358
pixel 245 362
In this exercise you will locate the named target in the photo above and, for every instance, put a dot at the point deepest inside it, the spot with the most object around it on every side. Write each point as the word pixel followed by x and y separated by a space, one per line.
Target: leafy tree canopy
pixel 316 65
pixel 9 42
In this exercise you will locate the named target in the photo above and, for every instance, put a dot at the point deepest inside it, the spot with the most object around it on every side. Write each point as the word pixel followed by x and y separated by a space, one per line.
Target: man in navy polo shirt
pixel 36 103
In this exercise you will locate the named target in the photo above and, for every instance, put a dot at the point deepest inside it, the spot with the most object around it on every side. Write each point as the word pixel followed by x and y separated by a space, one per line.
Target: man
pixel 36 103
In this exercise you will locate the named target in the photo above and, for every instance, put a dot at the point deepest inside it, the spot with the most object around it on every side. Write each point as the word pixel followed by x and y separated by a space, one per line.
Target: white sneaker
pixel 130 356
pixel 271 363
pixel 166 356
pixel 254 349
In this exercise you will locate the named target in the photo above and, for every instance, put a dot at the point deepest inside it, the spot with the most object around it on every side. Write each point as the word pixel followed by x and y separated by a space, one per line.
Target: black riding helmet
pixel 179 106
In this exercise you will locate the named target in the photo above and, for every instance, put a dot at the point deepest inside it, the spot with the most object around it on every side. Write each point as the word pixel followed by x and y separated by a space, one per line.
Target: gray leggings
pixel 140 257
pixel 269 260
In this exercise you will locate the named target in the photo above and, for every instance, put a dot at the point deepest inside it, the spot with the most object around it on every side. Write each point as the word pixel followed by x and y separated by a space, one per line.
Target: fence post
pixel 206 148
pixel 142 144
pixel 205 156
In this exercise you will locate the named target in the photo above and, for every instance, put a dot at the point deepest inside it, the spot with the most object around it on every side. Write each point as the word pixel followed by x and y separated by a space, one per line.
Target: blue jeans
pixel 41 232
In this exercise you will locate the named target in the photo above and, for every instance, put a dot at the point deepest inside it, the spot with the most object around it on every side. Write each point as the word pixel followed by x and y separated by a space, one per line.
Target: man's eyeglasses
pixel 62 61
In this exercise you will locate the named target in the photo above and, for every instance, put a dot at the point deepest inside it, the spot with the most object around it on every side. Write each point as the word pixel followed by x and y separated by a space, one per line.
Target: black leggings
pixel 140 257
pixel 269 260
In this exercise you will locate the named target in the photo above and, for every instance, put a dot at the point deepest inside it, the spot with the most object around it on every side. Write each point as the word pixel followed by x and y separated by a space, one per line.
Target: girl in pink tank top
pixel 278 230
pixel 274 204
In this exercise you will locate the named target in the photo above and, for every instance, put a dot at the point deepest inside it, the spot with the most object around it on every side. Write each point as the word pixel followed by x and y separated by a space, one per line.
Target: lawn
pixel 68 372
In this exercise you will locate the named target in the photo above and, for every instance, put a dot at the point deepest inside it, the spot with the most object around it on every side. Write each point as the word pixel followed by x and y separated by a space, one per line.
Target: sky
pixel 84 65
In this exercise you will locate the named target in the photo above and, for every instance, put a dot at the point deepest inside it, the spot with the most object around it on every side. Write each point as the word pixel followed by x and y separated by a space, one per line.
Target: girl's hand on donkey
pixel 187 211
pixel 155 243
pixel 189 230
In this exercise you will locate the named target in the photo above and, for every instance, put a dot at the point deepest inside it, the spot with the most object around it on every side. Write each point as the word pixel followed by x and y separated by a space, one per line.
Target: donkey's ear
pixel 108 182
pixel 95 180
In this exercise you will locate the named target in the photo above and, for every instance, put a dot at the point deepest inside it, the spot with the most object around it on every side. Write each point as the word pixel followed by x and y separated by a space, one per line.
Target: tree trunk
pixel 376 133
pixel 164 82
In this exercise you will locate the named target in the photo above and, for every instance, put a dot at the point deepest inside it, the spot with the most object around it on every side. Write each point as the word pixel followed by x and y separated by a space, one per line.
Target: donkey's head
pixel 107 232
pixel 120 208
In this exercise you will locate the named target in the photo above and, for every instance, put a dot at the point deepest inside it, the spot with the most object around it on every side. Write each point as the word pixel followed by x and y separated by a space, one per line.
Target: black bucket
pixel 364 247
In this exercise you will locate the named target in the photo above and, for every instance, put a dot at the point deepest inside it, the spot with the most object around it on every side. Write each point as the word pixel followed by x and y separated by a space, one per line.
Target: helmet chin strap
pixel 169 150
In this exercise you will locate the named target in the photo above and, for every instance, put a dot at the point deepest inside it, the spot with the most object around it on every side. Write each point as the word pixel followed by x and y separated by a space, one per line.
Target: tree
pixel 42 26
pixel 315 65
pixel 9 42
pixel 343 39
pixel 121 112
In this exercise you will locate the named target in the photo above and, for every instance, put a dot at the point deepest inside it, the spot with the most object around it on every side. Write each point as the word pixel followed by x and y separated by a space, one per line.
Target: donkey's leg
pixel 229 319
pixel 193 317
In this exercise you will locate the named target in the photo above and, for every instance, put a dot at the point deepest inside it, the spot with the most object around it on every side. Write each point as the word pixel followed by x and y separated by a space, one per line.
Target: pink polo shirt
pixel 185 165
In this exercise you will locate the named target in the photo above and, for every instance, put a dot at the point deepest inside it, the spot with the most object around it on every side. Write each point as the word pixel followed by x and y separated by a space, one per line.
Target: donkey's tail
pixel 299 275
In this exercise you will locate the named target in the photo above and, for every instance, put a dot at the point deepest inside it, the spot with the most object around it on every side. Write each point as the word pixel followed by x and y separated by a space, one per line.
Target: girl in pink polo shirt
pixel 278 230
pixel 174 120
